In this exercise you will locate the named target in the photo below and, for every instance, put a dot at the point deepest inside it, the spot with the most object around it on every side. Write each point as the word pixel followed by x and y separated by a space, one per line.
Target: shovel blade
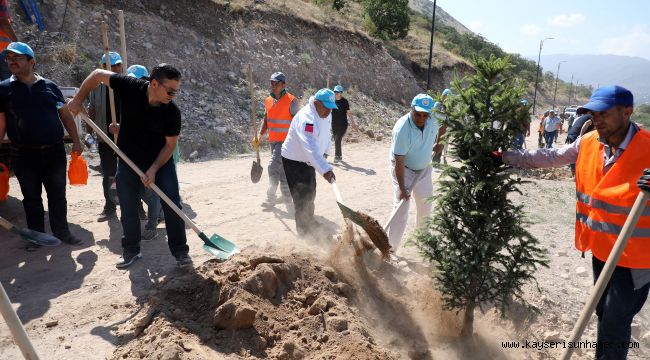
pixel 36 237
pixel 219 243
pixel 216 252
pixel 350 214
pixel 256 172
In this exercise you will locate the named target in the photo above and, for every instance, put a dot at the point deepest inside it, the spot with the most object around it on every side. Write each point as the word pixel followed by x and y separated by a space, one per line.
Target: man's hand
pixel 76 107
pixel 114 128
pixel 437 149
pixel 329 176
pixel 149 177
pixel 644 181
pixel 256 143
pixel 404 194
pixel 76 147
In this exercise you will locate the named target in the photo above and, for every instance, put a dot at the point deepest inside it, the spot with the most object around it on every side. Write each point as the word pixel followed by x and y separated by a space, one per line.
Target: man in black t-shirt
pixel 148 133
pixel 340 118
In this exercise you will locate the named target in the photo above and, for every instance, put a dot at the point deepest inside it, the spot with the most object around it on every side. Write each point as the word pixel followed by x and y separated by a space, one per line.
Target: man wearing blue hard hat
pixel 33 114
pixel 304 153
pixel 415 137
pixel 611 169
pixel 99 111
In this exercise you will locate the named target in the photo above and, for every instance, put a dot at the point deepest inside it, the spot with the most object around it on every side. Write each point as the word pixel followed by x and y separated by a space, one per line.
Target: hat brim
pixel 15 51
pixel 595 106
pixel 329 104
pixel 421 109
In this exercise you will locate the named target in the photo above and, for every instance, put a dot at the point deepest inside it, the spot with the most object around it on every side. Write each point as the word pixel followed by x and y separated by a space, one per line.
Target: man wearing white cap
pixel 415 137
pixel 303 153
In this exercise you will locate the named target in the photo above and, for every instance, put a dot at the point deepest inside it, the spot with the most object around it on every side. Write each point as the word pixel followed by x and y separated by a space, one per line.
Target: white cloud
pixel 636 42
pixel 474 26
pixel 530 29
pixel 566 20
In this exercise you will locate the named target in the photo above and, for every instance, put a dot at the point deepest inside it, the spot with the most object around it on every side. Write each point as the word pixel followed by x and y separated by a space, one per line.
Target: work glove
pixel 496 157
pixel 644 181
pixel 256 143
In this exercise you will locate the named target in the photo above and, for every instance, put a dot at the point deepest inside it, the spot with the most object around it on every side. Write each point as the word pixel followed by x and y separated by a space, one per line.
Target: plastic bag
pixel 4 182
pixel 77 171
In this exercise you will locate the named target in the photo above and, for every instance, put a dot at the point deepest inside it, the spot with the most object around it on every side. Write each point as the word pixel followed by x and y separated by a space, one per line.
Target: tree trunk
pixel 468 322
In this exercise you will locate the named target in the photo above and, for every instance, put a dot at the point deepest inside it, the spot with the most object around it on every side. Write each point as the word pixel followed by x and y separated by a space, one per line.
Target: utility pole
pixel 433 28
pixel 570 90
pixel 539 56
pixel 557 76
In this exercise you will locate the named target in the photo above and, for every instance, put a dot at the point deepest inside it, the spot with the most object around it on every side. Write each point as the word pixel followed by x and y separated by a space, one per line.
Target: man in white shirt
pixel 304 152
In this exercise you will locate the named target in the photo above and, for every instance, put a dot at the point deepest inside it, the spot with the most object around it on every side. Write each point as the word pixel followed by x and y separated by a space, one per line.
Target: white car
pixel 570 111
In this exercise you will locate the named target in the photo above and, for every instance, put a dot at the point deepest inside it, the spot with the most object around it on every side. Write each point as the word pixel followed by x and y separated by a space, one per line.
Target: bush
pixel 390 17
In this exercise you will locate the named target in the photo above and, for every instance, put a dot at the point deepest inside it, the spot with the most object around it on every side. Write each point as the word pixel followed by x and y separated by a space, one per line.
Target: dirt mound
pixel 258 305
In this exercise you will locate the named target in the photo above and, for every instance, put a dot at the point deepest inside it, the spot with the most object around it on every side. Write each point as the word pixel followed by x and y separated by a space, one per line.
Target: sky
pixel 579 27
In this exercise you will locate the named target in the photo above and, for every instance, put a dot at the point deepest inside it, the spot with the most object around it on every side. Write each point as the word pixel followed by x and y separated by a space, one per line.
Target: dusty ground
pixel 77 305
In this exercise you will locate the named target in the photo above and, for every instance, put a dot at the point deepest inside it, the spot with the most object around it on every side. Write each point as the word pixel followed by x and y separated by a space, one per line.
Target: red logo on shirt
pixel 309 128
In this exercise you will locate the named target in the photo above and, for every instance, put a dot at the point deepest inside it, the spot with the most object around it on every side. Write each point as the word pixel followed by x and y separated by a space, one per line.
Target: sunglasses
pixel 14 59
pixel 170 91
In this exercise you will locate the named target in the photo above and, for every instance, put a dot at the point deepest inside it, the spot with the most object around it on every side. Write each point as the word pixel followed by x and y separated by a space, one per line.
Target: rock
pixel 286 273
pixel 344 289
pixel 67 346
pixel 233 315
pixel 311 294
pixel 337 324
pixel 259 343
pixel 581 271
pixel 262 282
pixel 52 323
pixel 321 304
pixel 194 154
pixel 370 133
pixel 564 276
pixel 562 253
pixel 265 259
pixel 636 330
pixel 147 45
pixel 329 273
pixel 379 138
pixel 552 335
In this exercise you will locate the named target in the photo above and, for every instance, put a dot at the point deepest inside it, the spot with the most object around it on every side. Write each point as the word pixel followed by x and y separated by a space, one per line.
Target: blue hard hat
pixel 137 71
pixel 338 88
pixel 446 92
pixel 115 58
pixel 19 48
pixel 327 97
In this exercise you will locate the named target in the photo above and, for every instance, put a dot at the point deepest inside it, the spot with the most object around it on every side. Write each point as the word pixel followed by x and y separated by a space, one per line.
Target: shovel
pixel 369 225
pixel 256 169
pixel 401 203
pixel 16 327
pixel 215 244
pixel 36 237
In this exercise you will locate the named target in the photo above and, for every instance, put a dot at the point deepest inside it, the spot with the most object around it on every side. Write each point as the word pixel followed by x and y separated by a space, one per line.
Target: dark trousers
pixel 549 137
pixel 338 133
pixel 38 168
pixel 108 163
pixel 301 179
pixel 130 190
pixel 615 310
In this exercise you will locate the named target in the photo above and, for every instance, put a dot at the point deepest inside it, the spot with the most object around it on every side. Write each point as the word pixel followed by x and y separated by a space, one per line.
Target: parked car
pixel 570 111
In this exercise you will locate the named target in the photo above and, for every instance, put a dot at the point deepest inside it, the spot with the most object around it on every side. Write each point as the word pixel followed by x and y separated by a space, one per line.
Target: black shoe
pixel 106 215
pixel 127 260
pixel 183 260
pixel 69 239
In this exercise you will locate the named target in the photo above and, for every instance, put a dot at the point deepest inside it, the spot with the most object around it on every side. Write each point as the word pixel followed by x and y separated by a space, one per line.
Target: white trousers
pixel 420 192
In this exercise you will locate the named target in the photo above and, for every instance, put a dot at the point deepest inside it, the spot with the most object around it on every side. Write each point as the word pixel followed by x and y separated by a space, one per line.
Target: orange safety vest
pixel 604 200
pixel 278 116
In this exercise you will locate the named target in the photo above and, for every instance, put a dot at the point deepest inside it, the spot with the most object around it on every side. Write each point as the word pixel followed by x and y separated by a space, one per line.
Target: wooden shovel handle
pixel 251 90
pixel 111 96
pixel 16 327
pixel 120 16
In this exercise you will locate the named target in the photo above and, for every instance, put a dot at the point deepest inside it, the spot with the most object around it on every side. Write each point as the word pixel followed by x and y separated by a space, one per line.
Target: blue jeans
pixel 153 208
pixel 129 188
pixel 615 310
pixel 38 168
pixel 549 137
pixel 518 141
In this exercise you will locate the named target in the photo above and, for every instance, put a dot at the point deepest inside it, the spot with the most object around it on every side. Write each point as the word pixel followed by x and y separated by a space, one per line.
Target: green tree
pixel 476 237
pixel 390 17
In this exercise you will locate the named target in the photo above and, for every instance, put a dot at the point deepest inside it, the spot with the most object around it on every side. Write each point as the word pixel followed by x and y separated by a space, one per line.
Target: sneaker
pixel 127 260
pixel 106 215
pixel 183 260
pixel 149 234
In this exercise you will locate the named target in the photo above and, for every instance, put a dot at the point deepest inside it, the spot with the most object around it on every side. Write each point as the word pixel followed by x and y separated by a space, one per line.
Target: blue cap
pixel 327 97
pixel 338 88
pixel 607 97
pixel 137 71
pixel 19 48
pixel 446 92
pixel 423 103
pixel 278 76
pixel 115 58
pixel 524 102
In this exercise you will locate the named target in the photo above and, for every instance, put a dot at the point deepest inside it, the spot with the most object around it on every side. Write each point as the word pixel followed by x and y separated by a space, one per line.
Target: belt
pixel 34 147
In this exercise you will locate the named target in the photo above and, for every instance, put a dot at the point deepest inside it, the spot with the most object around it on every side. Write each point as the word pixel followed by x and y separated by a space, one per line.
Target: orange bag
pixel 77 172
pixel 4 182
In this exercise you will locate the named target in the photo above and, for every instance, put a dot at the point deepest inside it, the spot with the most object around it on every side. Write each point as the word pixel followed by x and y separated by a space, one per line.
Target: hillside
pixel 631 72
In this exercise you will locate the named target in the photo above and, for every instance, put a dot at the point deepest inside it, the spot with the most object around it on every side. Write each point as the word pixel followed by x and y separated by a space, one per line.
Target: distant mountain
pixel 425 7
pixel 630 72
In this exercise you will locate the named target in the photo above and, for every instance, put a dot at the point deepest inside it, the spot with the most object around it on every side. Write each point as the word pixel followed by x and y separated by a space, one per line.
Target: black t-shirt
pixel 143 127
pixel 340 115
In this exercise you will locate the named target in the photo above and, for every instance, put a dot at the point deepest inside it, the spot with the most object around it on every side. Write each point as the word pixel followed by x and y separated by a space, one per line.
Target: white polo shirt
pixel 309 138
